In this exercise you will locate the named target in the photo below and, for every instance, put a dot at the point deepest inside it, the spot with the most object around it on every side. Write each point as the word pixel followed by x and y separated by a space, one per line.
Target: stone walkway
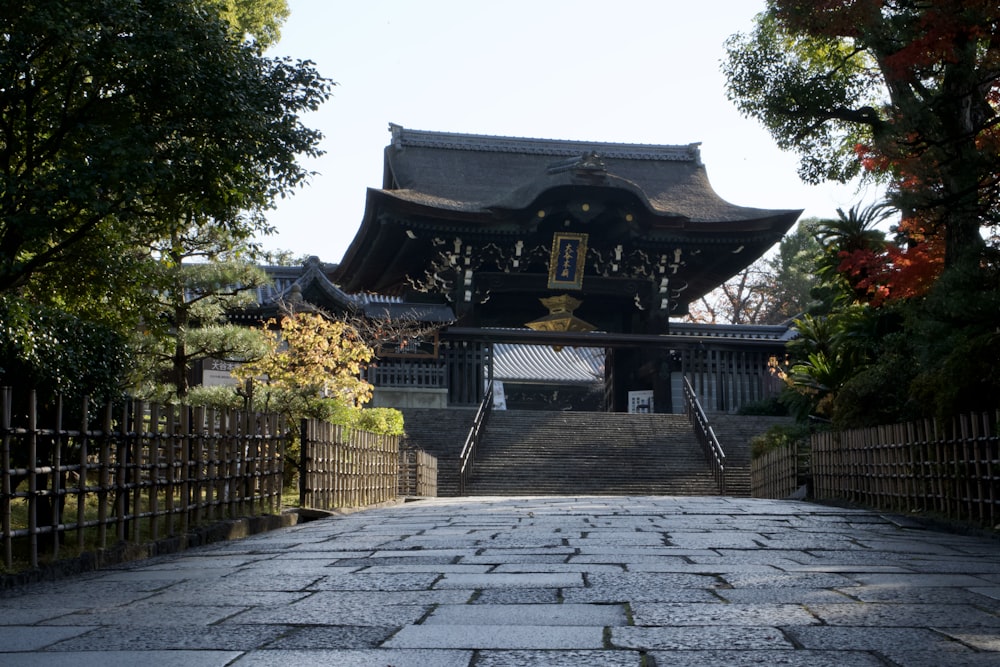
pixel 497 582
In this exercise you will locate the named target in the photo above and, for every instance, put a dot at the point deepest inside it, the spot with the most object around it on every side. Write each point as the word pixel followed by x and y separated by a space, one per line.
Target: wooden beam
pixel 603 339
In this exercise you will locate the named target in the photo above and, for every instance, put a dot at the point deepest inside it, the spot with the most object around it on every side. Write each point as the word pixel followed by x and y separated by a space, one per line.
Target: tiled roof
pixel 649 199
pixel 398 310
pixel 312 283
pixel 541 363
pixel 470 172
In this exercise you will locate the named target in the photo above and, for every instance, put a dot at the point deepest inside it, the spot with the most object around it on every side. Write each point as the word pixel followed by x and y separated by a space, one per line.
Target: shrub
pixel 57 352
pixel 778 436
pixel 766 407
pixel 386 421
pixel 221 397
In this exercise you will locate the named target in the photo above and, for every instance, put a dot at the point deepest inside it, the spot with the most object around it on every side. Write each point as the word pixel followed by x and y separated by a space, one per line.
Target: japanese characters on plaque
pixel 567 260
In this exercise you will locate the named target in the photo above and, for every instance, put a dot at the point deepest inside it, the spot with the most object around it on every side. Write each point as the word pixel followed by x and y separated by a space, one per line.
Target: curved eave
pixel 346 270
pixel 376 260
pixel 385 250
pixel 471 217
pixel 463 213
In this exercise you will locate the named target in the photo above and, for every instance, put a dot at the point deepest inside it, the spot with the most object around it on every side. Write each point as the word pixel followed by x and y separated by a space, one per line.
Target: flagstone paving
pixel 554 581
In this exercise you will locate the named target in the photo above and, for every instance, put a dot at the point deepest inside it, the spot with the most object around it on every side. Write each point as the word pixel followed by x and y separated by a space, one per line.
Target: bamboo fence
pixel 951 470
pixel 133 472
pixel 417 474
pixel 775 473
pixel 344 467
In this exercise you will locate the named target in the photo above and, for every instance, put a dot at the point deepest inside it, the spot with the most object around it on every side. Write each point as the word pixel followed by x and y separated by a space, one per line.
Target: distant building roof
pixel 775 332
pixel 541 363
pixel 396 309
pixel 309 286
pixel 570 365
pixel 310 283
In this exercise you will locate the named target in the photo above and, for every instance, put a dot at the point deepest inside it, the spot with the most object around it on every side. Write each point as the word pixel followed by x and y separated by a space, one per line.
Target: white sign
pixel 499 397
pixel 218 372
pixel 640 401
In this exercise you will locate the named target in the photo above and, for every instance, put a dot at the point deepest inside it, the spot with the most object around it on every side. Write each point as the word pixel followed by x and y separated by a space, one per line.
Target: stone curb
pixel 124 552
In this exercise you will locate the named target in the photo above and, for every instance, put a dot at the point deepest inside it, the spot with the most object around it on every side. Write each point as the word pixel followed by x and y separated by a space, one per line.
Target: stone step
pixel 569 452
pixel 736 431
pixel 537 453
pixel 441 433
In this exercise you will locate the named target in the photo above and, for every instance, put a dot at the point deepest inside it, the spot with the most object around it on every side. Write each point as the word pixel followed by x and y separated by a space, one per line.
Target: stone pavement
pixel 498 582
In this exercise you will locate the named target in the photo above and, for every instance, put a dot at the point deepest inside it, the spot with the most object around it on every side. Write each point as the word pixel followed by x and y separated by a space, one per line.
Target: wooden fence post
pixel 83 466
pixel 5 520
pixel 305 442
pixel 33 479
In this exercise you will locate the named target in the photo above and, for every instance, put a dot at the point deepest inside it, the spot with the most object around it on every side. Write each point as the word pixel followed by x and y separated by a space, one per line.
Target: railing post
pixel 5 519
pixel 81 492
pixel 706 435
pixel 468 455
pixel 56 499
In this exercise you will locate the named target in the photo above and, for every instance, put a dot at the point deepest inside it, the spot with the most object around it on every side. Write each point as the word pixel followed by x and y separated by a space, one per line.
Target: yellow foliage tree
pixel 310 358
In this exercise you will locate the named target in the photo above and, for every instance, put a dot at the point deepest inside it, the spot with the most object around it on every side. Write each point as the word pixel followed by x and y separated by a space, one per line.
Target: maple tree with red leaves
pixel 904 269
pixel 905 91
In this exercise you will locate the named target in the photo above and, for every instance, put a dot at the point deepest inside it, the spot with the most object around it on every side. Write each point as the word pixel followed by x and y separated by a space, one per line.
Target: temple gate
pixel 557 243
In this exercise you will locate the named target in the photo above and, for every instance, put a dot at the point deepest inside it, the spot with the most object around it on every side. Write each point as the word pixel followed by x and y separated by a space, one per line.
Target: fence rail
pixel 130 472
pixel 950 470
pixel 343 467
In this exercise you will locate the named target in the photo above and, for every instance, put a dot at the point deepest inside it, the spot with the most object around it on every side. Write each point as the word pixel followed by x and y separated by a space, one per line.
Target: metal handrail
pixel 706 435
pixel 468 455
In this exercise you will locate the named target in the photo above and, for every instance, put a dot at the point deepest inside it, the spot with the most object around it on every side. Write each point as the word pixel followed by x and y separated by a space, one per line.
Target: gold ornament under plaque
pixel 560 317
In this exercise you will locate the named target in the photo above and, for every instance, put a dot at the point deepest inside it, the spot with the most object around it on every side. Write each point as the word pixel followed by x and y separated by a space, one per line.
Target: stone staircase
pixel 571 453
pixel 734 433
pixel 440 432
pixel 589 453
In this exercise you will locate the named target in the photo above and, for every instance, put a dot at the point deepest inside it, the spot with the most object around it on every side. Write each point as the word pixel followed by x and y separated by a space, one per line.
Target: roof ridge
pixel 402 137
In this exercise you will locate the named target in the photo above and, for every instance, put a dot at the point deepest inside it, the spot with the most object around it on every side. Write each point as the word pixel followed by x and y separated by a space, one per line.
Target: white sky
pixel 634 71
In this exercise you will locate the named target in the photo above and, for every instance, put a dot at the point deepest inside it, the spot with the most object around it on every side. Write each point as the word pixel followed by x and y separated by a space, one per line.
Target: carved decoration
pixel 452 263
